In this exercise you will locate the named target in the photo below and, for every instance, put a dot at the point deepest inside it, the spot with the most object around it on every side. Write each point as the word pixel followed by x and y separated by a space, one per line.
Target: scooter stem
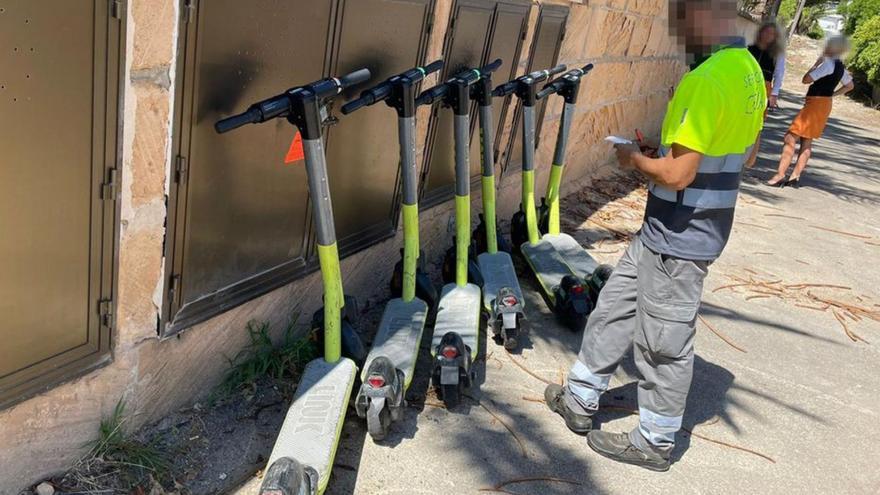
pixel 482 94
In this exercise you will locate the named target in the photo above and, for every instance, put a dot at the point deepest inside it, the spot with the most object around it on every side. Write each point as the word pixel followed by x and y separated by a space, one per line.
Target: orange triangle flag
pixel 295 153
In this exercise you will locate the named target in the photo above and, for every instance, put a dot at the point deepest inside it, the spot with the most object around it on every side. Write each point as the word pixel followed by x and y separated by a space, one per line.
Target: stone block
pixel 140 265
pixel 617 30
pixel 596 42
pixel 617 4
pixel 646 7
pixel 577 32
pixel 154 26
pixel 641 33
pixel 150 145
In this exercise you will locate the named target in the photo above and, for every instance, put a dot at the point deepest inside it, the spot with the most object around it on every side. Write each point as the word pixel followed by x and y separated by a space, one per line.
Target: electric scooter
pixel 502 296
pixel 389 367
pixel 584 266
pixel 457 326
pixel 302 458
pixel 561 270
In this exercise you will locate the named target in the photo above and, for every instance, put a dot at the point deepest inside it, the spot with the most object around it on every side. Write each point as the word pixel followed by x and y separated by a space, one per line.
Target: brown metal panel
pixel 238 216
pixel 482 31
pixel 59 75
pixel 508 29
pixel 388 37
pixel 465 47
pixel 549 31
pixel 240 213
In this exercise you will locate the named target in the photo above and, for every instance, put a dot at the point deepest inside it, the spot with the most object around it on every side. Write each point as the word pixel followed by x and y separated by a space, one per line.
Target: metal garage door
pixel 59 76
pixel 238 215
pixel 479 32
pixel 550 31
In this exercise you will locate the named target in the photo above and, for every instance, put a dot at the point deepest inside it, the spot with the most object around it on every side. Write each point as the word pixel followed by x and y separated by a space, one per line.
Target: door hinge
pixel 189 10
pixel 180 169
pixel 117 8
pixel 173 287
pixel 109 187
pixel 105 312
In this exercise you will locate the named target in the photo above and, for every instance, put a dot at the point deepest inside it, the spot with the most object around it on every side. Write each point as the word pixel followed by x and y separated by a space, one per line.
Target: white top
pixel 826 68
pixel 778 74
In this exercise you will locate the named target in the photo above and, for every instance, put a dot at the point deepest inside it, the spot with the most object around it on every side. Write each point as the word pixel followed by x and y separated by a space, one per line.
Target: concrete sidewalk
pixel 802 393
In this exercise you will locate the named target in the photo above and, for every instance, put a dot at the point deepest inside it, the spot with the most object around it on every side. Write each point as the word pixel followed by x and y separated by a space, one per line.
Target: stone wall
pixel 636 65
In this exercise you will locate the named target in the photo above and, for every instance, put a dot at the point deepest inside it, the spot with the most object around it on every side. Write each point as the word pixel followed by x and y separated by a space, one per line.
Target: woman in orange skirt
pixel 824 77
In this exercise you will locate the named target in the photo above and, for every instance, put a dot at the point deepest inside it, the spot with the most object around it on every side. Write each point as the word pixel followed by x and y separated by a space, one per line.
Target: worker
pixel 650 301
pixel 769 51
pixel 824 77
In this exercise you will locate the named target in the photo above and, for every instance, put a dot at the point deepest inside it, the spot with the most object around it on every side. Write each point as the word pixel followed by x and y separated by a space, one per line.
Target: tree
pixel 857 12
pixel 865 56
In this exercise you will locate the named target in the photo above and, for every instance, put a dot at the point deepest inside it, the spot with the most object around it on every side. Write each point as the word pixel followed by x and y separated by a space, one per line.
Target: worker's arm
pixel 674 171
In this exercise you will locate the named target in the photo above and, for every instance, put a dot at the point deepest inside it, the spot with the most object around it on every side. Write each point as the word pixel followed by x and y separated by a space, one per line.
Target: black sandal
pixel 795 183
pixel 780 183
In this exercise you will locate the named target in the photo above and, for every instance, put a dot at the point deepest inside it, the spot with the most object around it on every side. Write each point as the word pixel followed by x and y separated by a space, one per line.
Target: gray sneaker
pixel 554 396
pixel 617 447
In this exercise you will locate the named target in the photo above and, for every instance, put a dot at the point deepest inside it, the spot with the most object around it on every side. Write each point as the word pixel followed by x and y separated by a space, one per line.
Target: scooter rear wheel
pixel 377 424
pixel 451 395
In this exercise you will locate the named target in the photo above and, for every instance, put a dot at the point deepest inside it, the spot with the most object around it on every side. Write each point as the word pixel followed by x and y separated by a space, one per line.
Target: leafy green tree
pixel 865 56
pixel 857 12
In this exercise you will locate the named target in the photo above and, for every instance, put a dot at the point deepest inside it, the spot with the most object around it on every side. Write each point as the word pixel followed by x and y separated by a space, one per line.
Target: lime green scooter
pixel 390 365
pixel 302 458
pixel 457 325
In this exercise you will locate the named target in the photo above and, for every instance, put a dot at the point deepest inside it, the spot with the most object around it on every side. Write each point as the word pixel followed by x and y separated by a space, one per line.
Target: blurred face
pixel 701 24
pixel 768 36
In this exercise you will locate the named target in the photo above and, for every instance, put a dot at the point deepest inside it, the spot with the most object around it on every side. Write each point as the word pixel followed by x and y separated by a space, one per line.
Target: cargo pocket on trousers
pixel 668 326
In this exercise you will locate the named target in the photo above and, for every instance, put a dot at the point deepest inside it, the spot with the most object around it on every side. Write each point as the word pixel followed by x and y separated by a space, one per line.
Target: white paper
pixel 617 140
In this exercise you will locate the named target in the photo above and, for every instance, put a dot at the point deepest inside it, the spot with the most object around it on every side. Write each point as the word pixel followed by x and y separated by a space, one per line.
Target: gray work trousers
pixel 650 302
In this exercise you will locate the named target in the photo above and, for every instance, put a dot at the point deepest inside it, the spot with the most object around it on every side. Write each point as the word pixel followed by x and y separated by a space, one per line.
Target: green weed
pixel 264 359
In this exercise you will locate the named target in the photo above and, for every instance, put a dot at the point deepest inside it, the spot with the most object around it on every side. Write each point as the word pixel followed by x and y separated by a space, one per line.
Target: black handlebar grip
pixel 356 77
pixel 587 68
pixel 251 116
pixel 548 90
pixel 355 105
pixel 556 70
pixel 433 67
pixel 491 67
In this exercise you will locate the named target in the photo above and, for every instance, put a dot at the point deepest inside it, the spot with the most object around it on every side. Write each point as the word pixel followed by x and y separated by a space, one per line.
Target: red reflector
pixel 376 381
pixel 509 301
pixel 578 289
pixel 449 352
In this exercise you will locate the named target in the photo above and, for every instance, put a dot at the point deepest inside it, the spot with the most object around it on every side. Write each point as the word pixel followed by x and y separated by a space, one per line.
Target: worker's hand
pixel 626 154
pixel 772 102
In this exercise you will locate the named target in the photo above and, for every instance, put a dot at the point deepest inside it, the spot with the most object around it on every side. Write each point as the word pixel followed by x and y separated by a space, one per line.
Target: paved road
pixel 803 393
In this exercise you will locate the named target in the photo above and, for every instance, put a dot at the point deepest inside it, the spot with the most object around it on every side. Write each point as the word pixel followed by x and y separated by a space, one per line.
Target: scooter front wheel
pixel 451 395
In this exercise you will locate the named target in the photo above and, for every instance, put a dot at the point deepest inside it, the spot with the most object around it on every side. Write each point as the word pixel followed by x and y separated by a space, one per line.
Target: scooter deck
pixel 498 272
pixel 458 311
pixel 575 256
pixel 399 335
pixel 310 433
pixel 548 265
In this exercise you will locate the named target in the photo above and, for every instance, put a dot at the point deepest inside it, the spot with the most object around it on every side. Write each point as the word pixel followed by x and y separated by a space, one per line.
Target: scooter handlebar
pixel 353 78
pixel 433 67
pixel 429 96
pixel 505 89
pixel 383 90
pixel 560 83
pixel 251 116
